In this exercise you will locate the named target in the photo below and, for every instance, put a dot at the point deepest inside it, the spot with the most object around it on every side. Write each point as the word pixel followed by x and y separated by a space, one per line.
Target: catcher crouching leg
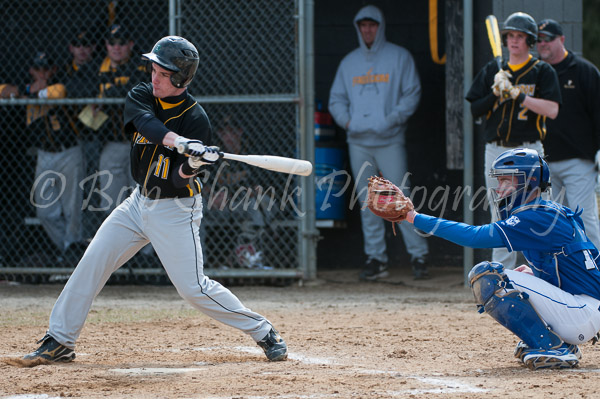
pixel 541 347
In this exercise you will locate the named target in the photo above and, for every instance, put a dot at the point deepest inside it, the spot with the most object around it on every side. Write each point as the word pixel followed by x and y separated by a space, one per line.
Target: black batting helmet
pixel 523 23
pixel 178 55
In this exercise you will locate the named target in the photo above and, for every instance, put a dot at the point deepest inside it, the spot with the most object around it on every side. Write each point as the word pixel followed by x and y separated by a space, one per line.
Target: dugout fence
pixel 254 81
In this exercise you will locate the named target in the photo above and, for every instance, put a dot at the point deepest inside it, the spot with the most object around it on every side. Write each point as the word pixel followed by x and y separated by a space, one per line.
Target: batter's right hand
pixel 212 154
pixel 210 157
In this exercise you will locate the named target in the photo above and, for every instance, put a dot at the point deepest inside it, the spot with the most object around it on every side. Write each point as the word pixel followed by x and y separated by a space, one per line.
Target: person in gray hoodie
pixel 375 91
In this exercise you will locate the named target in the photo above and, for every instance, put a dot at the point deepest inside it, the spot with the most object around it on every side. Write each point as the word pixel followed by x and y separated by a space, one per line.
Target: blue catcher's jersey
pixel 553 241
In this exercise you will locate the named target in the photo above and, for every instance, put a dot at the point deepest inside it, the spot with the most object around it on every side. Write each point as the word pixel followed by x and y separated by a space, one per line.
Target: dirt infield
pixel 394 339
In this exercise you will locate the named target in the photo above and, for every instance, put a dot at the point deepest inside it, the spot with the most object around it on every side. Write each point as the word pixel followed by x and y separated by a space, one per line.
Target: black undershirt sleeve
pixel 483 105
pixel 150 127
pixel 180 182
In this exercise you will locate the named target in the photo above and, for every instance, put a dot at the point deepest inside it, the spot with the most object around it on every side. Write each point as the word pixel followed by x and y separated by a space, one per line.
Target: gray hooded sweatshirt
pixel 375 89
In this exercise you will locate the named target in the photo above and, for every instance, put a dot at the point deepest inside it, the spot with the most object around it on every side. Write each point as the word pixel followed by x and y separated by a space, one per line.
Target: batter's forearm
pixel 541 106
pixel 169 139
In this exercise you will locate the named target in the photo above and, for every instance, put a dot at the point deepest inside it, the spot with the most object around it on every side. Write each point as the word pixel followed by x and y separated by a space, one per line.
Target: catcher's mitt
pixel 386 200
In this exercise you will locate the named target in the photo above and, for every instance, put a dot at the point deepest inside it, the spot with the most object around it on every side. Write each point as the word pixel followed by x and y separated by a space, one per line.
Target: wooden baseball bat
pixel 275 163
pixel 491 24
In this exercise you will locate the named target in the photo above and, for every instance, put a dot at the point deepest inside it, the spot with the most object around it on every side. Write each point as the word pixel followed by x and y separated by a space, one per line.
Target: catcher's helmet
pixel 178 55
pixel 523 23
pixel 531 171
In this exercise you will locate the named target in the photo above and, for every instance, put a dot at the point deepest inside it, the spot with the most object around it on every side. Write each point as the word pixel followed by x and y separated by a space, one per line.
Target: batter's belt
pixel 512 144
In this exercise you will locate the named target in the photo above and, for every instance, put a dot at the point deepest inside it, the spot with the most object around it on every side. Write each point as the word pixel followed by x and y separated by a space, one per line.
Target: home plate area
pixel 345 339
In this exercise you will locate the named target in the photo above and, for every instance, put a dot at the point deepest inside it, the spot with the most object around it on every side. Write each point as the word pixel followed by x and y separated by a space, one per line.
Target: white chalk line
pixel 31 396
pixel 156 370
pixel 443 385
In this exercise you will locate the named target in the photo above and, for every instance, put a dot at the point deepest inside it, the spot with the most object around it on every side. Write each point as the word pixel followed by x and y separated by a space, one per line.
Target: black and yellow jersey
pixel 506 119
pixel 50 125
pixel 116 82
pixel 152 165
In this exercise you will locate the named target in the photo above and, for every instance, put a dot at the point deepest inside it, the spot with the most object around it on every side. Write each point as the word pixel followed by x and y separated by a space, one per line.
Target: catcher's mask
pixel 178 55
pixel 529 173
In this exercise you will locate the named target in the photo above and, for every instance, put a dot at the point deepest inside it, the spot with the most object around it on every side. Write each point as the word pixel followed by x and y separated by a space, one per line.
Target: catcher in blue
pixel 169 134
pixel 553 303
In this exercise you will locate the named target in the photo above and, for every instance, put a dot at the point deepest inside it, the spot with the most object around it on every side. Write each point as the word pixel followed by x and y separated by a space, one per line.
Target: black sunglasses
pixel 546 39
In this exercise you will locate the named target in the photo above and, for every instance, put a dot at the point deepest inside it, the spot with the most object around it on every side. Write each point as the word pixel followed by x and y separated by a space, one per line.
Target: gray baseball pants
pixel 172 226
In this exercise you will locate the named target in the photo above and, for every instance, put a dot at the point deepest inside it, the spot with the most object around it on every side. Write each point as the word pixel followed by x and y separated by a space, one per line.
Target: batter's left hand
pixel 192 148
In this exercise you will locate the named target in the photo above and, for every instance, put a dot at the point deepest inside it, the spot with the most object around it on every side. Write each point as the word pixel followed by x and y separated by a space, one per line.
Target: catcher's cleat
pixel 374 270
pixel 522 349
pixel 560 358
pixel 419 268
pixel 274 346
pixel 52 351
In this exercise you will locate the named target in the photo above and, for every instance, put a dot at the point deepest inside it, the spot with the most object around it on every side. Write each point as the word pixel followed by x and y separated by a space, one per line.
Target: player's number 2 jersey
pixel 508 120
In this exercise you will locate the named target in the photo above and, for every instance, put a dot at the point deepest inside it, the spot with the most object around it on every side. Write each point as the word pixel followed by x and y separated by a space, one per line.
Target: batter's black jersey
pixel 575 133
pixel 152 165
pixel 506 119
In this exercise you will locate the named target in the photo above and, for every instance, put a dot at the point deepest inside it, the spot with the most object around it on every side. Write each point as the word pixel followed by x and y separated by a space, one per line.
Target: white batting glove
pixel 193 148
pixel 501 82
pixel 209 157
pixel 501 88
pixel 516 94
pixel 502 75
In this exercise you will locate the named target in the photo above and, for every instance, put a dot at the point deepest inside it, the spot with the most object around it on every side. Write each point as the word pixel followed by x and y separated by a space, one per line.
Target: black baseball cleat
pixel 374 270
pixel 274 346
pixel 52 351
pixel 419 268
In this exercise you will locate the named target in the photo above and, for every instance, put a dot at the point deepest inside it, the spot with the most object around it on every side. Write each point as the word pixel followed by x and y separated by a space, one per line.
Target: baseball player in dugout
pixel 119 72
pixel 59 167
pixel 514 102
pixel 573 139
pixel 552 303
pixel 375 91
pixel 170 134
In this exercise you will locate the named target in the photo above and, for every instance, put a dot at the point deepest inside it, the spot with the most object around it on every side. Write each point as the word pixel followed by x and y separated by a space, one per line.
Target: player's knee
pixel 485 279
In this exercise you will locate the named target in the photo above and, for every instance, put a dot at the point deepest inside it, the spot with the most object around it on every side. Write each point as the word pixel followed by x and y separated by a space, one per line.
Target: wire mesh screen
pixel 62 82
pixel 255 54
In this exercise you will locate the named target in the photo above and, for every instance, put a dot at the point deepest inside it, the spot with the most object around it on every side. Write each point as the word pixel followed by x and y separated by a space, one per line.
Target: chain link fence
pixel 67 66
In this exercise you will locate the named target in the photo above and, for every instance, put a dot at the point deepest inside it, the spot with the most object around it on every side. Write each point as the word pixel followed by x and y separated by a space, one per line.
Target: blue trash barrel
pixel 330 181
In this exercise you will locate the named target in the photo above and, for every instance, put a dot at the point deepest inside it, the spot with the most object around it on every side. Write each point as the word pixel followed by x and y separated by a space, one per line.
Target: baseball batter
pixel 553 303
pixel 514 101
pixel 165 209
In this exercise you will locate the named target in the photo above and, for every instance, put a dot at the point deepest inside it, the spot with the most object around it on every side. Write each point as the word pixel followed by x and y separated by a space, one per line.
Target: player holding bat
pixel 514 101
pixel 165 209
pixel 552 303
